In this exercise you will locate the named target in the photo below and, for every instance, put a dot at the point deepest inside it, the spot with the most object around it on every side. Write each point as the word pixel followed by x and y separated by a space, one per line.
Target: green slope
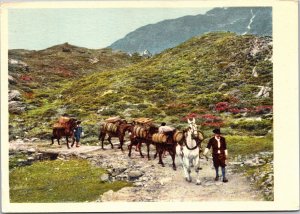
pixel 169 86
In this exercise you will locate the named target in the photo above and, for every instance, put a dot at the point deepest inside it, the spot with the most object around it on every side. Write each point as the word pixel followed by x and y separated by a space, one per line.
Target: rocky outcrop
pixel 11 80
pixel 14 95
pixel 15 65
pixel 16 107
pixel 15 104
pixel 264 91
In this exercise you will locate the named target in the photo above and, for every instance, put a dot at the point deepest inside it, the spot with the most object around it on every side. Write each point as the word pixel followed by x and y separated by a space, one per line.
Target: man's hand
pixel 226 160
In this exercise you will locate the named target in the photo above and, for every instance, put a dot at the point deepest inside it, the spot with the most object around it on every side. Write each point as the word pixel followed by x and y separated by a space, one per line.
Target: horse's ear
pixel 188 120
pixel 194 121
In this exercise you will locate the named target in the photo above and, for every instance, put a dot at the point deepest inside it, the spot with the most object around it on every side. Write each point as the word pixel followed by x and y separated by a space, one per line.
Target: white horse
pixel 189 152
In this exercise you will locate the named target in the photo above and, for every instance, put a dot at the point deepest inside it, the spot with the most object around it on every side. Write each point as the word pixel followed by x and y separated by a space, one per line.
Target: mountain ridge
pixel 169 33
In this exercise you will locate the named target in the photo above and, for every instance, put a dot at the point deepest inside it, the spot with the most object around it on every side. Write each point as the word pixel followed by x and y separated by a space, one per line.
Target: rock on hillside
pixel 169 33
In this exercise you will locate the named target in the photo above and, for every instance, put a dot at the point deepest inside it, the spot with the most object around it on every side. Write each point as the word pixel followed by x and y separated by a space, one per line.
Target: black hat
pixel 163 123
pixel 78 122
pixel 217 131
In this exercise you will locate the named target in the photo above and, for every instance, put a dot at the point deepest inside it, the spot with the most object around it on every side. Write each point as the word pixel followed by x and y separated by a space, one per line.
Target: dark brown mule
pixel 169 146
pixel 137 140
pixel 120 132
pixel 66 131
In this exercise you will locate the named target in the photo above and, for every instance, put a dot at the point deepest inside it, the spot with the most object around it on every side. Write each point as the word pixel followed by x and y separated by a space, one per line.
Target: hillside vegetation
pixel 65 62
pixel 215 78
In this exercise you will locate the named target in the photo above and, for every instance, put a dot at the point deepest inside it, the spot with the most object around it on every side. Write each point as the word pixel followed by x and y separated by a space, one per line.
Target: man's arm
pixel 207 147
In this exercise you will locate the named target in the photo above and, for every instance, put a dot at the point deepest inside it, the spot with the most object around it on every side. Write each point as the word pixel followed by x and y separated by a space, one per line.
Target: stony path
pixel 151 182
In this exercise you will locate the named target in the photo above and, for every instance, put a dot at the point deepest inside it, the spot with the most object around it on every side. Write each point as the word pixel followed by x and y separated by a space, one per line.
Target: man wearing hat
pixel 219 153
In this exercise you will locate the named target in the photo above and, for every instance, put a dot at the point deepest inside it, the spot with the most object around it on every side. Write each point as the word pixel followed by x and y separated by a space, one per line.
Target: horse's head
pixel 153 129
pixel 192 126
pixel 71 124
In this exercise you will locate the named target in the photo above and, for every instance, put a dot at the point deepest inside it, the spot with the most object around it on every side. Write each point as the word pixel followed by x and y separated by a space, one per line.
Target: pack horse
pixel 188 151
pixel 114 127
pixel 64 128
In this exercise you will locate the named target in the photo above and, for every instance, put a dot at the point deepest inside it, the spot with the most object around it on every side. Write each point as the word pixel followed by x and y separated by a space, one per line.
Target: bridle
pixel 194 137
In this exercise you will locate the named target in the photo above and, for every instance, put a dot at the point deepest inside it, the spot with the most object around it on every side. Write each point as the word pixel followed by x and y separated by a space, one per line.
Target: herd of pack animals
pixel 185 143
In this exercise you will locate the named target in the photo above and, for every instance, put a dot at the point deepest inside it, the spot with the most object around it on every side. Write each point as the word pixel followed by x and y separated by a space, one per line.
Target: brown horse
pixel 121 128
pixel 67 130
pixel 169 146
pixel 137 141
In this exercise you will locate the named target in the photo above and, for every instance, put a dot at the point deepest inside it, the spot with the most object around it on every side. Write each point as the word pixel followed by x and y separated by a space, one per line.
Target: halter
pixel 198 142
pixel 193 129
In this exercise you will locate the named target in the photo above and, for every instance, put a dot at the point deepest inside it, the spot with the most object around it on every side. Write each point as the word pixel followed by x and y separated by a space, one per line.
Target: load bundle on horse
pixel 140 131
pixel 142 126
pixel 114 127
pixel 113 119
pixel 178 136
pixel 111 127
pixel 62 122
pixel 159 138
pixel 111 124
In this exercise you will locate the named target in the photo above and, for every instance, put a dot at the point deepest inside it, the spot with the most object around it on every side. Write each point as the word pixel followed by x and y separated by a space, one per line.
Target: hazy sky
pixel 37 29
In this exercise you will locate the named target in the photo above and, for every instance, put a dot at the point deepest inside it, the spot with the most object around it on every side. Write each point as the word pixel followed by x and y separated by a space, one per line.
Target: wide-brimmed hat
pixel 78 122
pixel 217 131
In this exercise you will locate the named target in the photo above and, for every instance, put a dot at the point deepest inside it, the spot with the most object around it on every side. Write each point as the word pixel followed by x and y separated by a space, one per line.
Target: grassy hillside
pixel 210 77
pixel 65 62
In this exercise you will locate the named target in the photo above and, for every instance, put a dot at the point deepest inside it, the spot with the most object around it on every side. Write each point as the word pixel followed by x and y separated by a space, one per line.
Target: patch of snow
pixel 250 22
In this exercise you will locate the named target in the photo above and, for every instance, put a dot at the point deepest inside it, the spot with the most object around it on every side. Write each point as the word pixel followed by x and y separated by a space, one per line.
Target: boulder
pixel 30 159
pixel 133 175
pixel 222 86
pixel 104 177
pixel 254 72
pixel 11 80
pixel 264 91
pixel 16 107
pixel 14 95
pixel 15 65
pixel 31 150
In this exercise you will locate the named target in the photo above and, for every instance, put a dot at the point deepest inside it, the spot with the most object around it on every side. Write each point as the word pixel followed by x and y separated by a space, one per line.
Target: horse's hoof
pixel 198 183
pixel 103 149
pixel 142 156
pixel 174 168
pixel 188 179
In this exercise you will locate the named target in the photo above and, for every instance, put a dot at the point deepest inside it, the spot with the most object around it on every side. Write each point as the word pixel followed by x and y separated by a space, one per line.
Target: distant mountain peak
pixel 170 33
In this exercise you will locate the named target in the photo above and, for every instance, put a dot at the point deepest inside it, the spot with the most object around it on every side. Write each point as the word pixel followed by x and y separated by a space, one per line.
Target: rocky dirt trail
pixel 151 182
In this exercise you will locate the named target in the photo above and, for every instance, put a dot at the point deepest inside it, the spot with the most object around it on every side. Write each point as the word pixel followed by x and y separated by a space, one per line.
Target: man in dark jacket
pixel 219 153
pixel 78 132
